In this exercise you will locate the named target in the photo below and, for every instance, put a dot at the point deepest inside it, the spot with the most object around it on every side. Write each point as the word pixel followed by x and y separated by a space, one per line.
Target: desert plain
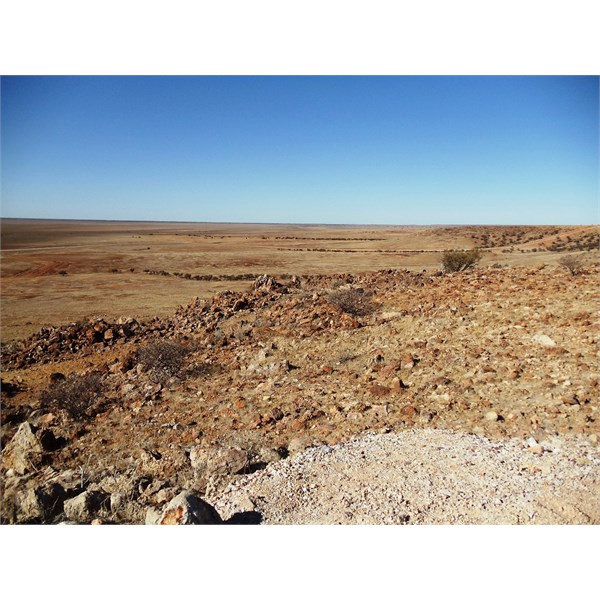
pixel 150 368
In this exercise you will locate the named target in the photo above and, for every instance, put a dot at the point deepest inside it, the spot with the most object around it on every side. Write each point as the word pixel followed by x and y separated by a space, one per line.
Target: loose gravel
pixel 425 477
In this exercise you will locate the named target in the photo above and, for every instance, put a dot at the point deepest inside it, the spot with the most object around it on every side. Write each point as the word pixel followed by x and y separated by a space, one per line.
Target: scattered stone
pixel 189 509
pixel 299 444
pixel 163 495
pixel 409 410
pixel 267 455
pixel 543 340
pixel 266 282
pixel 408 361
pixel 56 377
pixel 152 516
pixel 84 508
pixel 41 503
pixel 117 502
pixel 219 462
pixel 378 390
pixel 398 384
pixel 276 414
pixel 427 416
pixel 23 450
pixel 228 461
pixel 491 416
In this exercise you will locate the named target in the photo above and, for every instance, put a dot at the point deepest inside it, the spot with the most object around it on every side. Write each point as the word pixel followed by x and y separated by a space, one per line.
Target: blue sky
pixel 387 150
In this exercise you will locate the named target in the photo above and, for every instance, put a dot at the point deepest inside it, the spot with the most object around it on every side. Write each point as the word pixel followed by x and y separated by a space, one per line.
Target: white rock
pixel 152 516
pixel 543 340
pixel 188 509
pixel 23 447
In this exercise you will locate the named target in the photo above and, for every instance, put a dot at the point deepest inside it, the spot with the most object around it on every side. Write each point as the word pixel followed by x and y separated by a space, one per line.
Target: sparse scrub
pixel 354 301
pixel 163 359
pixel 572 264
pixel 454 261
pixel 77 395
pixel 346 356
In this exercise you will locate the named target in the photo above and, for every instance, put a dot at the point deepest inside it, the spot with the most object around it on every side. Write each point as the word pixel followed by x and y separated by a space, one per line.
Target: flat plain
pixel 214 350
pixel 54 272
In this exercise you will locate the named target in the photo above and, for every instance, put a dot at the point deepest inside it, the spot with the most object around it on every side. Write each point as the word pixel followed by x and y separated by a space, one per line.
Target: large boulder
pixel 189 509
pixel 41 503
pixel 86 506
pixel 23 451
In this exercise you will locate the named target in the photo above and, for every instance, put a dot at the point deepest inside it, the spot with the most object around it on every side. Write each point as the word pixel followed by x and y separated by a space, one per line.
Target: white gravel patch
pixel 425 477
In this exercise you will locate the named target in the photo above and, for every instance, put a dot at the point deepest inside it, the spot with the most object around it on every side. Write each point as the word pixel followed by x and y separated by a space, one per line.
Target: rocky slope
pixel 227 386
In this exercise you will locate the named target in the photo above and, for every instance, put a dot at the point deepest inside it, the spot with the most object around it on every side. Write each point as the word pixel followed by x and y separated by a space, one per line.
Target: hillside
pixel 112 419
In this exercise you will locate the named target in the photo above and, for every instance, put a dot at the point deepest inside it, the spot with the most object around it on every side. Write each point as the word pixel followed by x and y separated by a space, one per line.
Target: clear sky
pixel 386 150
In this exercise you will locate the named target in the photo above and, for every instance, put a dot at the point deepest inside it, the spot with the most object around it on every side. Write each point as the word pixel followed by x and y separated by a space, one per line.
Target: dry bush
pixel 347 356
pixel 454 261
pixel 572 264
pixel 78 395
pixel 354 301
pixel 163 359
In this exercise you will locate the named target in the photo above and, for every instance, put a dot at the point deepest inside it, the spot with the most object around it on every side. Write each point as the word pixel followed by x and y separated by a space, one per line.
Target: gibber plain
pixel 241 373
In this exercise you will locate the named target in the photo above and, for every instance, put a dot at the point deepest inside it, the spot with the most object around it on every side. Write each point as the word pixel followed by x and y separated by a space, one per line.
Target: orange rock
pixel 408 361
pixel 409 410
pixel 379 390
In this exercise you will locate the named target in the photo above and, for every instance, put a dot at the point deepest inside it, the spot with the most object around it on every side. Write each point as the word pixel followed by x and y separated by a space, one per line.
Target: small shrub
pixel 347 356
pixel 77 395
pixel 163 359
pixel 354 301
pixel 454 261
pixel 572 264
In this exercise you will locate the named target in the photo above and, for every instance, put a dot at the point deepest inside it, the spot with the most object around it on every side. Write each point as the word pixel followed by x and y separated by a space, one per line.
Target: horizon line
pixel 300 224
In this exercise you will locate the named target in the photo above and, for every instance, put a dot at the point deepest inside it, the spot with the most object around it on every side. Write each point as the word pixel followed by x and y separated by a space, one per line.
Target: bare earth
pixel 465 397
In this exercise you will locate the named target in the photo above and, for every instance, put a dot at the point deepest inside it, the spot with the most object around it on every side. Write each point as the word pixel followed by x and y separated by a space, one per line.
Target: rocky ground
pixel 133 422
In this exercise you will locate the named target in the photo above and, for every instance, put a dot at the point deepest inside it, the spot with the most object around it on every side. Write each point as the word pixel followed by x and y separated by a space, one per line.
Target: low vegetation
pixel 77 395
pixel 454 261
pixel 572 264
pixel 354 301
pixel 163 359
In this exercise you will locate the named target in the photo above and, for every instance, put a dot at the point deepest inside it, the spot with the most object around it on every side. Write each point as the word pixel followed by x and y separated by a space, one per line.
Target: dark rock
pixel 9 389
pixel 56 377
pixel 49 441
pixel 276 414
